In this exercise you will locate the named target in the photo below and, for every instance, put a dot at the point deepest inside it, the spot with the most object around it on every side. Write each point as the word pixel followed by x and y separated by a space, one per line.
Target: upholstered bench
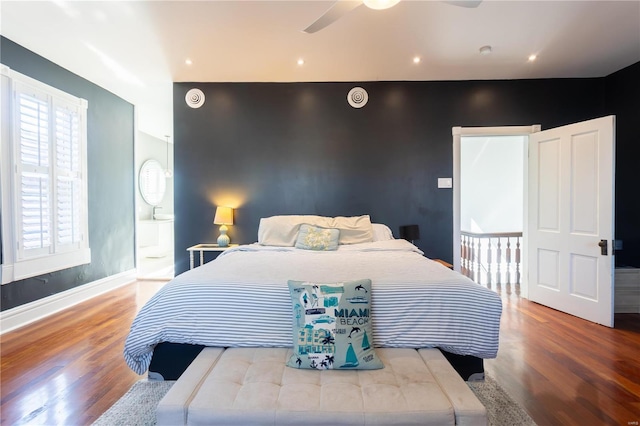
pixel 252 386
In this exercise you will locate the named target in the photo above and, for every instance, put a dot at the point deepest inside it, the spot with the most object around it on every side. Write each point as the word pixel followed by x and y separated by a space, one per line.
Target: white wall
pixel 491 183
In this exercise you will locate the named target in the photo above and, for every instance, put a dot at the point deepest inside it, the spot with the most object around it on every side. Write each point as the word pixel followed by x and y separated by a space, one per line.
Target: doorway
pixel 491 209
pixel 154 214
pixel 567 257
pixel 490 204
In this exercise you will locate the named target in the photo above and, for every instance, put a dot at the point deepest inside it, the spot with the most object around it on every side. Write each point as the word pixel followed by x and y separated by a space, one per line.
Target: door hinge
pixel 616 245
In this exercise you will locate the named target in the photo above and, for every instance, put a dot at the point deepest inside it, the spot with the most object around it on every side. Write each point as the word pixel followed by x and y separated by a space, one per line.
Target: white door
pixel 571 188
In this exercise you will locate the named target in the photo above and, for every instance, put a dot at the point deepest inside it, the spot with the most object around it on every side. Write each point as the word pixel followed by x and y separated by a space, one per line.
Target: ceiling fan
pixel 341 7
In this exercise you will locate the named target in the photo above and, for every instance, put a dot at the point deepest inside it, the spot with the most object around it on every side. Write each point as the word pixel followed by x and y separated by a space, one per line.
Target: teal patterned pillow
pixel 317 238
pixel 332 326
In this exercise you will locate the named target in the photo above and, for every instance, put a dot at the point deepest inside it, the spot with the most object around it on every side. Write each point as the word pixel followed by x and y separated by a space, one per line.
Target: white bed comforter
pixel 241 299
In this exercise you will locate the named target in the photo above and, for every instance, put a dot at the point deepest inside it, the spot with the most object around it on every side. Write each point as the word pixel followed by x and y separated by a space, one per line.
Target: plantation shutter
pixel 50 174
pixel 34 174
pixel 43 175
pixel 68 177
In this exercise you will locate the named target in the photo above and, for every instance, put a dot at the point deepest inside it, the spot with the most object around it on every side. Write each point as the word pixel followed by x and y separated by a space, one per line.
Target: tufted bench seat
pixel 252 386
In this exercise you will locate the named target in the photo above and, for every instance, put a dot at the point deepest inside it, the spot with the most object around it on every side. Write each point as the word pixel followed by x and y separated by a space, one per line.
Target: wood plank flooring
pixel 568 371
pixel 68 369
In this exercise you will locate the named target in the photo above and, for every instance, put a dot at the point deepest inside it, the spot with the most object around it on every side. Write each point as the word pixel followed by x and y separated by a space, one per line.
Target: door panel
pixel 549 185
pixel 571 181
pixel 584 271
pixel 584 184
pixel 548 268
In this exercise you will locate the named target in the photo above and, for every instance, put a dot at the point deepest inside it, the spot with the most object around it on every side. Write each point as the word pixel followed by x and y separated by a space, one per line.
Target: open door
pixel 571 221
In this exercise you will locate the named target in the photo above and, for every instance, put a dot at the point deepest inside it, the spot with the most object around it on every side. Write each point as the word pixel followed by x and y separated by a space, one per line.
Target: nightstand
pixel 442 262
pixel 205 247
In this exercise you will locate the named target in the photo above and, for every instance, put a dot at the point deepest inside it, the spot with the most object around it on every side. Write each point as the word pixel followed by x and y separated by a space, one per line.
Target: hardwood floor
pixel 68 369
pixel 567 371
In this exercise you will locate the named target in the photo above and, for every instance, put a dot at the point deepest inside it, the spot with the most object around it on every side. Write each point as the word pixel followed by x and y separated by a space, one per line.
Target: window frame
pixel 17 262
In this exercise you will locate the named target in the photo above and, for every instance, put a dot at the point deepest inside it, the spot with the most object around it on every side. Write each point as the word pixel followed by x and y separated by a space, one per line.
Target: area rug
pixel 138 406
pixel 501 409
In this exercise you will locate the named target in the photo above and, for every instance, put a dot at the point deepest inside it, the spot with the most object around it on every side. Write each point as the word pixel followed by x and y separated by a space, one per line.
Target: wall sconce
pixel 223 217
pixel 410 232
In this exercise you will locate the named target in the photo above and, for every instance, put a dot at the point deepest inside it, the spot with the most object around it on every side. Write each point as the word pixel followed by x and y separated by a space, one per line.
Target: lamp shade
pixel 224 216
pixel 410 232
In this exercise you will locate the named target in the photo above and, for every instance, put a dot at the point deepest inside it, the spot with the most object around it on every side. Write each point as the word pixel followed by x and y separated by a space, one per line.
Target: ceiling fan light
pixel 380 4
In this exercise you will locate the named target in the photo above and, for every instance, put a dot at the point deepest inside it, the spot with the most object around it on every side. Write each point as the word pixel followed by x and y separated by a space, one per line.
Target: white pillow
pixel 283 230
pixel 353 230
pixel 381 232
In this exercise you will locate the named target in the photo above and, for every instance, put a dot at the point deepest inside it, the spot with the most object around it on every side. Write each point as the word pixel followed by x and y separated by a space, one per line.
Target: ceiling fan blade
pixel 465 3
pixel 336 11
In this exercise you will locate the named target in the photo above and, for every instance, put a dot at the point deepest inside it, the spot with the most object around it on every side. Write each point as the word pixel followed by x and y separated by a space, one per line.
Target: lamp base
pixel 223 239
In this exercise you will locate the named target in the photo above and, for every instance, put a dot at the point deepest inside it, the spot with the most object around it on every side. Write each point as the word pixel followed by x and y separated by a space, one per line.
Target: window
pixel 44 178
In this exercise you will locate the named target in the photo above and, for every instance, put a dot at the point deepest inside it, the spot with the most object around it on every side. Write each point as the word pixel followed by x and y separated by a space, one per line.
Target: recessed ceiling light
pixel 416 59
pixel 532 58
pixel 485 50
pixel 188 61
pixel 300 61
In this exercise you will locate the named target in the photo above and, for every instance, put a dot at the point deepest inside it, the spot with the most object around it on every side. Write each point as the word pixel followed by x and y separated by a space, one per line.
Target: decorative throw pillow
pixel 316 238
pixel 332 326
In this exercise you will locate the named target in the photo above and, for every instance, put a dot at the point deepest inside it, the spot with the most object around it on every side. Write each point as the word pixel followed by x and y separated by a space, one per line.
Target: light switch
pixel 445 182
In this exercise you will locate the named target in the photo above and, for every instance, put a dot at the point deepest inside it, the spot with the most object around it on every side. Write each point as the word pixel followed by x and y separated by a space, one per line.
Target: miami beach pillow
pixel 332 326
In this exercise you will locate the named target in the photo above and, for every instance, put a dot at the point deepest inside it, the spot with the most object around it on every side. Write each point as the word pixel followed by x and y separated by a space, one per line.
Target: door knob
pixel 603 247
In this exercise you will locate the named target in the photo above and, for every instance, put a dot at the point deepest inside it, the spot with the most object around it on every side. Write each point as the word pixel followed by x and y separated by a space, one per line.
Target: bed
pixel 241 299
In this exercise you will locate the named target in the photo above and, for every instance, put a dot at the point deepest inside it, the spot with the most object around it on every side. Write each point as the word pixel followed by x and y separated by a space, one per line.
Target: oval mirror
pixel 152 182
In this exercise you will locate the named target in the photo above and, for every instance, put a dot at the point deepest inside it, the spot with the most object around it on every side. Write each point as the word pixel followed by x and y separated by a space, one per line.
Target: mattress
pixel 241 299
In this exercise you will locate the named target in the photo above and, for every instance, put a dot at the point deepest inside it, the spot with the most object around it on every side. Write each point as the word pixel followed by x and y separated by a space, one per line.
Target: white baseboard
pixel 29 312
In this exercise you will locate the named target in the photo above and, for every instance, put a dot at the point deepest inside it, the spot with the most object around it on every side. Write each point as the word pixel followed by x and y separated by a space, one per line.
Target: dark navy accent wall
pixel 299 148
pixel 623 100
pixel 110 127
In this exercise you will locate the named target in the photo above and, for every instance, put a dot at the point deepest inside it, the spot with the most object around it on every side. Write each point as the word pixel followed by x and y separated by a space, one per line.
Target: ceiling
pixel 136 49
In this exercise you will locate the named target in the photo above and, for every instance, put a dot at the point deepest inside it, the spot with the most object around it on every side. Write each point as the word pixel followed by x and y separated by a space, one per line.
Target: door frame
pixel 458 132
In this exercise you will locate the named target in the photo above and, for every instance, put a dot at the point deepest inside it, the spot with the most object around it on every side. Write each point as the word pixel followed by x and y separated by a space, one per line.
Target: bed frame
pixel 170 360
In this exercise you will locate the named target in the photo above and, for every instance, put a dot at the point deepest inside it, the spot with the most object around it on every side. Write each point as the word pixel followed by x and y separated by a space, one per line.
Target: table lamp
pixel 223 217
